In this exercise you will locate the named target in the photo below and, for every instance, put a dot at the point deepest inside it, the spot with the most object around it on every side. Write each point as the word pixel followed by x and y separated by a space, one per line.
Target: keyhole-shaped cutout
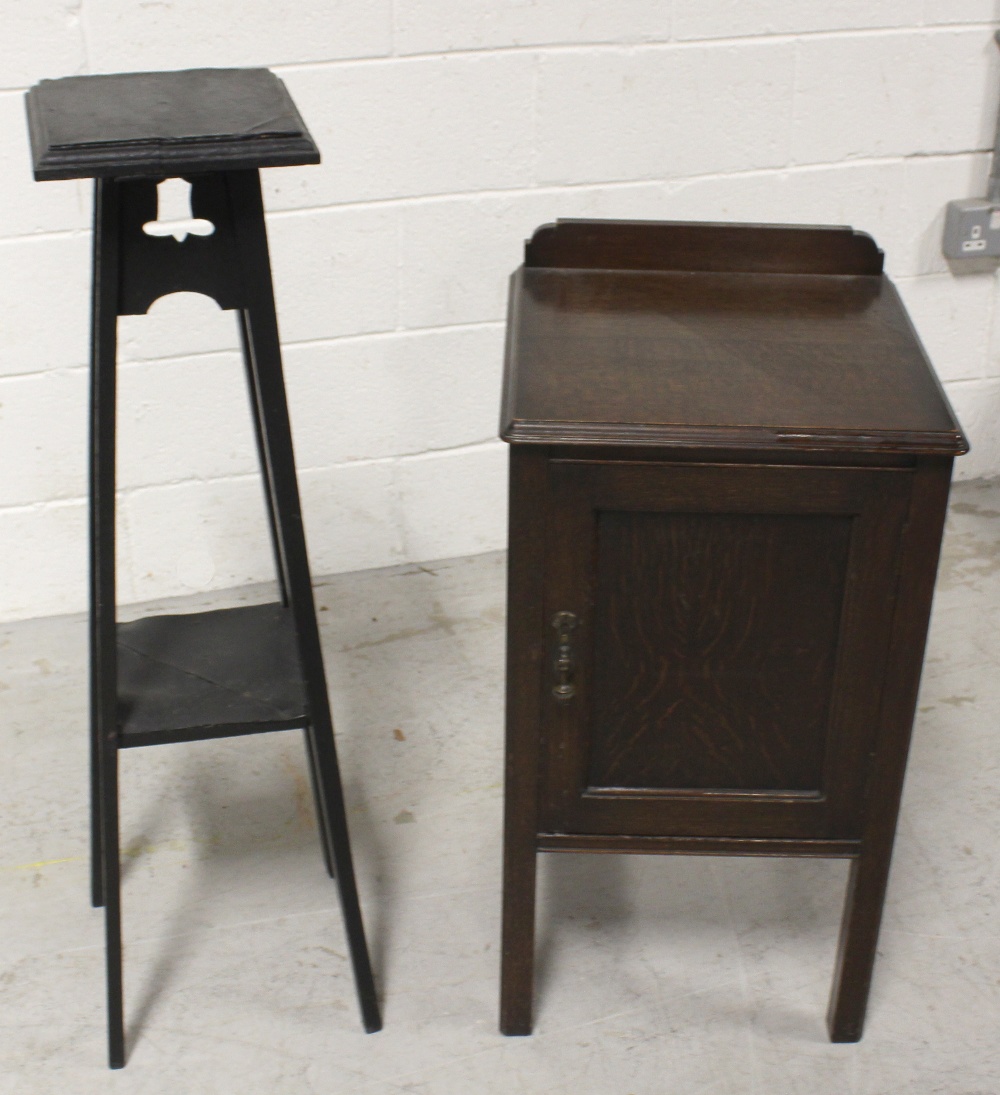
pixel 173 213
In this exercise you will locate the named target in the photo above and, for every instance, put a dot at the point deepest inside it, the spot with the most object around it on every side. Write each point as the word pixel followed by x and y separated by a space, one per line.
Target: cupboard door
pixel 718 637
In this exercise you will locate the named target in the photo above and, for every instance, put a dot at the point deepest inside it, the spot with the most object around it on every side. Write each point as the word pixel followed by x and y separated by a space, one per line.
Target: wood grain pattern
pixel 720 359
pixel 860 510
pixel 718 636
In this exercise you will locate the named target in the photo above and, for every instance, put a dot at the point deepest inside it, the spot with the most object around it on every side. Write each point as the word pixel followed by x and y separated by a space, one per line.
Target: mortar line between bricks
pixel 608 184
pixel 306 469
pixel 991 325
pixel 84 24
pixel 126 493
pixel 327 340
pixel 286 345
pixel 793 99
pixel 51 503
pixel 590 47
pixel 638 44
pixel 555 188
pixel 535 153
pixel 52 234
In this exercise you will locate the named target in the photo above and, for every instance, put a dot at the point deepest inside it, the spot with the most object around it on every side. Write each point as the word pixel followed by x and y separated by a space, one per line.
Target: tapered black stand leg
pixel 255 413
pixel 281 565
pixel 265 360
pixel 102 345
pixel 321 821
pixel 103 652
pixel 112 908
pixel 335 816
pixel 330 802
pixel 96 836
pixel 279 559
pixel 96 781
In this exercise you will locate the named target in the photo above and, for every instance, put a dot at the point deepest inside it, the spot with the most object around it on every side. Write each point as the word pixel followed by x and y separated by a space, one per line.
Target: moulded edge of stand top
pixel 158 124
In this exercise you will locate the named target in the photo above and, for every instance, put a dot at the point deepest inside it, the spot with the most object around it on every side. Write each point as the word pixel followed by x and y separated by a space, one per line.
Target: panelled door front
pixel 716 639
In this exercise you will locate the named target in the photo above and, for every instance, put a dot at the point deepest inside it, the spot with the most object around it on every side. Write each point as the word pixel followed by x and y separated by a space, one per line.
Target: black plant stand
pixel 209 674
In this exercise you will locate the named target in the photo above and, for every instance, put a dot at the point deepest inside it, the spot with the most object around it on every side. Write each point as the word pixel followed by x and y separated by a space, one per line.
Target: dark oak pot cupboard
pixel 729 466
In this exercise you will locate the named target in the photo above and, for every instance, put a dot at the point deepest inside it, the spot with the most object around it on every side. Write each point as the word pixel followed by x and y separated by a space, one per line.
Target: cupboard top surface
pixel 745 360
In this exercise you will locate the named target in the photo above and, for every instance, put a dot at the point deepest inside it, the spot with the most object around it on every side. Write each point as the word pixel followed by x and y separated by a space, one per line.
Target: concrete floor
pixel 656 975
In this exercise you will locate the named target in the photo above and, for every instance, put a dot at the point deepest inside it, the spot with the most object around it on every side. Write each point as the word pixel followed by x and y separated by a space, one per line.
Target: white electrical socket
pixel 971 229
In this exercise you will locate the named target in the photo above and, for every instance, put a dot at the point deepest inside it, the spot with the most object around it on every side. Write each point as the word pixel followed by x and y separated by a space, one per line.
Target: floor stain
pixel 392 637
pixel 971 507
pixel 42 863
pixel 398 734
pixel 142 846
pixel 303 809
pixel 967 557
pixel 495 614
pixel 443 620
pixel 404 817
pixel 958 701
pixel 409 569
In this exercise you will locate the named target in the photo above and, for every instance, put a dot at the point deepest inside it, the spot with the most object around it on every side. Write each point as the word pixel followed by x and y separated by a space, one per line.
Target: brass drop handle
pixel 564 664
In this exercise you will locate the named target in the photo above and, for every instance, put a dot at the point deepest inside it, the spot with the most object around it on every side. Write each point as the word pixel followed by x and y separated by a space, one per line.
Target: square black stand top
pixel 165 123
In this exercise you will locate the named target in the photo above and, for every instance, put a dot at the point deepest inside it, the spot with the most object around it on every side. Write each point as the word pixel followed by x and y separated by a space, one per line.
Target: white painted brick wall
pixel 450 129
